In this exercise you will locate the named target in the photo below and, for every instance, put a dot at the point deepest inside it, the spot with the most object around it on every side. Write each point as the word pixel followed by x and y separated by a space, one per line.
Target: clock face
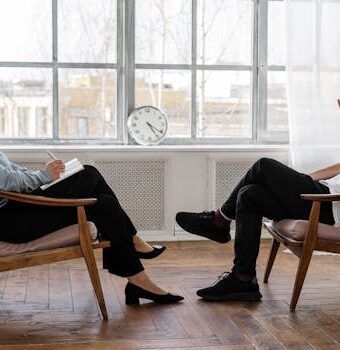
pixel 147 125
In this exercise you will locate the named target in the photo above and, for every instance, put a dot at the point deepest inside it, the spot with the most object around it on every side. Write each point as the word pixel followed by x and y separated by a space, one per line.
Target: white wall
pixel 154 183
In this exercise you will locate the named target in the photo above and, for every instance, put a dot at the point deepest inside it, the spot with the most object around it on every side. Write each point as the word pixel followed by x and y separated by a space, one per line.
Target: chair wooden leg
pixel 307 252
pixel 305 259
pixel 271 259
pixel 86 247
pixel 93 272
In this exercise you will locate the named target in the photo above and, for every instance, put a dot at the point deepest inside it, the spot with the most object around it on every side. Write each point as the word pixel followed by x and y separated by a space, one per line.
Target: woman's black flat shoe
pixel 157 250
pixel 133 293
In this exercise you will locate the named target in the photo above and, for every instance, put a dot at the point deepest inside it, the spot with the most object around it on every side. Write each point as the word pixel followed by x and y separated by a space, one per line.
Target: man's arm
pixel 22 181
pixel 326 173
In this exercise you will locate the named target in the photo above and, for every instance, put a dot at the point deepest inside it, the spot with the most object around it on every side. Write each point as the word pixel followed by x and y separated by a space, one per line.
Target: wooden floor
pixel 53 307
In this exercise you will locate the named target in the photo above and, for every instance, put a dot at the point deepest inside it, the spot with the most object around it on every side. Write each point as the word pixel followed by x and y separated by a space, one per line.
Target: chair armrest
pixel 321 197
pixel 41 200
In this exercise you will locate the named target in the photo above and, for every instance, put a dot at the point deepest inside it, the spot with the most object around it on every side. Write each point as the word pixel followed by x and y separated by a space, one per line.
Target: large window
pixel 71 71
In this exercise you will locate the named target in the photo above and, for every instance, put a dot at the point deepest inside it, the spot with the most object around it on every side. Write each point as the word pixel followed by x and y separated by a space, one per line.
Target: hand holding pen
pixel 56 167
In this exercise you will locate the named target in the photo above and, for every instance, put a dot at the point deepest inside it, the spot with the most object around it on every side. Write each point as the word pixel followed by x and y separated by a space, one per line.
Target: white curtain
pixel 313 67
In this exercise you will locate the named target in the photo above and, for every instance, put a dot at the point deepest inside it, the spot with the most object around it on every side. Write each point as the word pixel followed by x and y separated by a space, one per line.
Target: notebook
pixel 71 167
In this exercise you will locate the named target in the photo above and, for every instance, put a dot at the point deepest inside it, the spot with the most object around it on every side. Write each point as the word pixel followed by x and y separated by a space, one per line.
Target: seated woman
pixel 21 222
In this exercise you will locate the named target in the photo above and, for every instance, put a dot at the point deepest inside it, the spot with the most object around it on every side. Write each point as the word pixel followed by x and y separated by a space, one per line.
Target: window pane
pixel 22 92
pixel 224 31
pixel 276 33
pixel 168 90
pixel 277 110
pixel 163 31
pixel 87 103
pixel 87 30
pixel 224 104
pixel 26 30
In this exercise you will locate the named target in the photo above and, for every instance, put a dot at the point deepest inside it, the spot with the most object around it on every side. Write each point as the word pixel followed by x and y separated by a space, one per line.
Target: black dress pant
pixel 25 222
pixel 269 189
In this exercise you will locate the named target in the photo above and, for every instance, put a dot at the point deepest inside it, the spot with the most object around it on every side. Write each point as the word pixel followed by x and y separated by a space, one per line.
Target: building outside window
pixel 42 121
pixel 2 122
pixel 23 121
pixel 216 67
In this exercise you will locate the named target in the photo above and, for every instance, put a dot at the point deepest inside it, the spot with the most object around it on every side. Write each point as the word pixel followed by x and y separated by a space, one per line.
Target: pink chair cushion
pixel 296 229
pixel 65 237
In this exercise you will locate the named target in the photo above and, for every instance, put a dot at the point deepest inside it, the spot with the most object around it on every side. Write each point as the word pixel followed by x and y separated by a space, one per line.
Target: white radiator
pixel 227 174
pixel 140 188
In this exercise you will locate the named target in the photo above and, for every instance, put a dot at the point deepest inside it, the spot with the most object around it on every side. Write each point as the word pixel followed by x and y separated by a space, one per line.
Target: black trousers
pixel 25 222
pixel 269 189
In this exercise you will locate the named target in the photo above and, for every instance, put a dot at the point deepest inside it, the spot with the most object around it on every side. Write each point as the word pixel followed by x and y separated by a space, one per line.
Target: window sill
pixel 158 148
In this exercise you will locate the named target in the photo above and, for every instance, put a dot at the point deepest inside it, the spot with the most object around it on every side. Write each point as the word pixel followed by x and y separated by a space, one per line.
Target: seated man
pixel 269 189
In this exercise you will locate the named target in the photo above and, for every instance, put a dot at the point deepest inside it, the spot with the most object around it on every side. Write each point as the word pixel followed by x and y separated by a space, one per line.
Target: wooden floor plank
pixel 221 324
pixel 258 335
pixel 3 281
pixel 82 292
pixel 60 296
pixel 37 287
pixel 312 334
pixel 283 333
pixel 16 285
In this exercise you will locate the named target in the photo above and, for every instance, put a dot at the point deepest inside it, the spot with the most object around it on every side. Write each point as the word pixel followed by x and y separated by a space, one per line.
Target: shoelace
pixel 221 277
pixel 225 274
pixel 206 214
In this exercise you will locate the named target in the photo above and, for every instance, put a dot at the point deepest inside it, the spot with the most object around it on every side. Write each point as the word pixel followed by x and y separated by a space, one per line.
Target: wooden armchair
pixel 83 249
pixel 302 237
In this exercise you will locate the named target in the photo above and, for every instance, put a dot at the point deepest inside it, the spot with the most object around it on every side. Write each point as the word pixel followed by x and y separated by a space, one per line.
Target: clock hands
pixel 154 128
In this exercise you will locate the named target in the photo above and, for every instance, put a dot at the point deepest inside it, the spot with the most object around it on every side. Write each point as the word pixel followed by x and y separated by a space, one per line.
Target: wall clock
pixel 147 125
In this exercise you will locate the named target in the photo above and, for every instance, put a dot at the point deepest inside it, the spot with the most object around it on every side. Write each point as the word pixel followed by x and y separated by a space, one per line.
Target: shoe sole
pixel 214 238
pixel 255 296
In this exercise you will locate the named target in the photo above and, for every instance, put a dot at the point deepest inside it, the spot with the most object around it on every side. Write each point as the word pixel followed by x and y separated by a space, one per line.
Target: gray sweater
pixel 19 179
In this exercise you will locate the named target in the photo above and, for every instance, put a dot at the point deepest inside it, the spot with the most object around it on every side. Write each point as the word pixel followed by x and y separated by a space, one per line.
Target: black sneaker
pixel 229 287
pixel 201 224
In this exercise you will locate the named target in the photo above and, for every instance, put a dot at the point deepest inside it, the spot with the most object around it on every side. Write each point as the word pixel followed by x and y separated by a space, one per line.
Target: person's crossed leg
pixel 269 189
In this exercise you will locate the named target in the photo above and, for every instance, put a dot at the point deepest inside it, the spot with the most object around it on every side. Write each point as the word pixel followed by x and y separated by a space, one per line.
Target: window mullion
pixel 55 83
pixel 255 71
pixel 120 92
pixel 262 66
pixel 194 70
pixel 129 62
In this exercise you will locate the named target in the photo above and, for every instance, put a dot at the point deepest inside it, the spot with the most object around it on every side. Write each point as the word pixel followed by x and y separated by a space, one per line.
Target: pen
pixel 51 155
